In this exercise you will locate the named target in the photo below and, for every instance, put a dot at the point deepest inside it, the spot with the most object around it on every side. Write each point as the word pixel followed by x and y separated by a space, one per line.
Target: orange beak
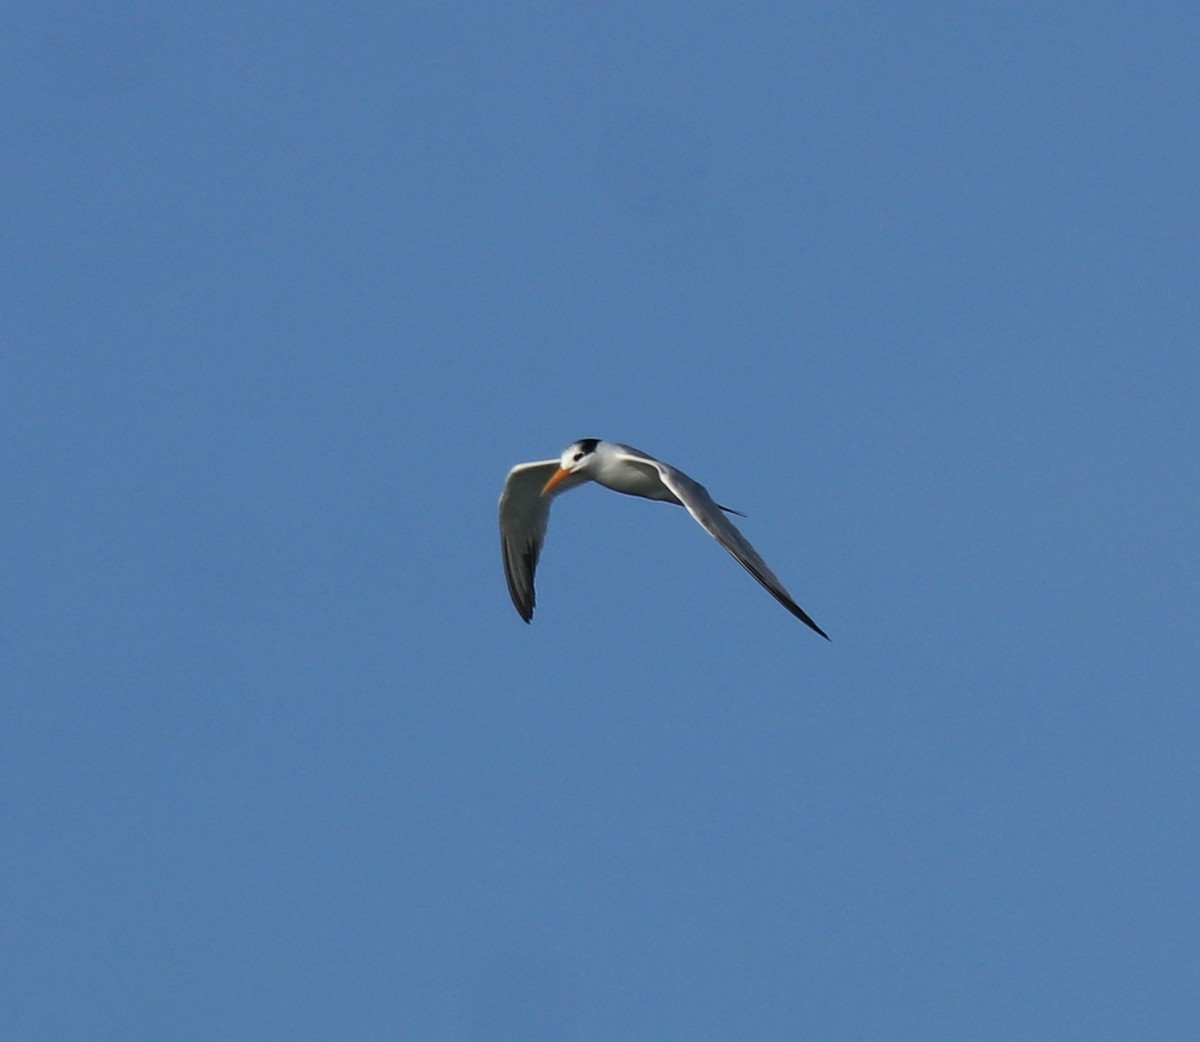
pixel 555 478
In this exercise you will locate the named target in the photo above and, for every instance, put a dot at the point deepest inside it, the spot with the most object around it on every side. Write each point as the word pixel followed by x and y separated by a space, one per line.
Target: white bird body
pixel 631 471
pixel 530 487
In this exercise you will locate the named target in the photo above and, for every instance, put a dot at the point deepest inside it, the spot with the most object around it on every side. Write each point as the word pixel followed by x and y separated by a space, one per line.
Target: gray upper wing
pixel 524 514
pixel 702 507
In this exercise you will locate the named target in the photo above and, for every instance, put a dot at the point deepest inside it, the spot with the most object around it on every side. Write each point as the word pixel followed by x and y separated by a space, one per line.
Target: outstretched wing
pixel 701 506
pixel 524 514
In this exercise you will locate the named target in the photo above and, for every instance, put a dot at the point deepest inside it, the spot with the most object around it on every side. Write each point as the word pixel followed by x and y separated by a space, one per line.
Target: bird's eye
pixel 577 457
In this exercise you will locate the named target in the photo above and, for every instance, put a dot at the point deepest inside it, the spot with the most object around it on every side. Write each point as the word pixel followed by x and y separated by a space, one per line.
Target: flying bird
pixel 525 511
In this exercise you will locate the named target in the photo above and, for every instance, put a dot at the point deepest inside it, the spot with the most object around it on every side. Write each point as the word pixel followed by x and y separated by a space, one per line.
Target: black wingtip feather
pixel 802 615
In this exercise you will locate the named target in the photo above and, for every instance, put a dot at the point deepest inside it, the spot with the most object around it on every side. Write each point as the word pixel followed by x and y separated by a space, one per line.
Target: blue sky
pixel 289 289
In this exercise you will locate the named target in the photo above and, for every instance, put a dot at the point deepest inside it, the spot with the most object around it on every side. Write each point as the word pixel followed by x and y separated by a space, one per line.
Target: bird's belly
pixel 646 485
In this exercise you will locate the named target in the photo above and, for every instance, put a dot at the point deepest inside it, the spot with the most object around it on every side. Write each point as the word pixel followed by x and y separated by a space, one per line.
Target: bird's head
pixel 576 458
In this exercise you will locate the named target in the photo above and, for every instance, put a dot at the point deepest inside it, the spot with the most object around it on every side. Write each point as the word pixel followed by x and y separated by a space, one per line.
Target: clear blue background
pixel 286 291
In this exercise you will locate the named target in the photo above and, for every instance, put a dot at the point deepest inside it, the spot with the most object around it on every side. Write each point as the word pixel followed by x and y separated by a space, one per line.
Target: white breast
pixel 631 476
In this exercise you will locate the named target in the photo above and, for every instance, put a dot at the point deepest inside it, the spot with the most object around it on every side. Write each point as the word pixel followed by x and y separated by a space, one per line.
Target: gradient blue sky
pixel 287 290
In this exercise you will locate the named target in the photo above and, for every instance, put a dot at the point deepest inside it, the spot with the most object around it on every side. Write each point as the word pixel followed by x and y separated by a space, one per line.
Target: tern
pixel 530 487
